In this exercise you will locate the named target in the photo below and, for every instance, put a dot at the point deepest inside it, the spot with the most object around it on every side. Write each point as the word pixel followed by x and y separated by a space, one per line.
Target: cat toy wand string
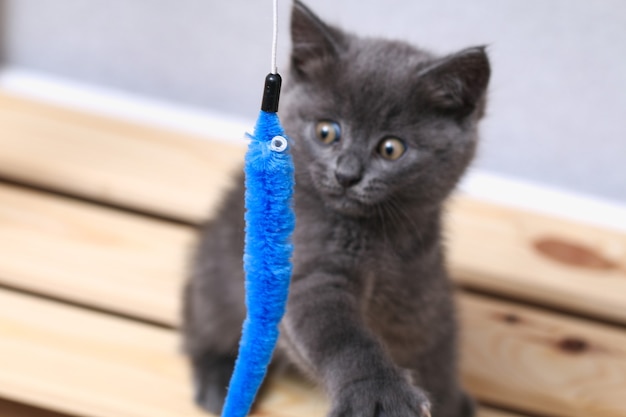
pixel 269 180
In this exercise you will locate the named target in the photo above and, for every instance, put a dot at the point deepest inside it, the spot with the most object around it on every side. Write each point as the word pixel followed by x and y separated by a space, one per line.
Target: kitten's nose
pixel 349 171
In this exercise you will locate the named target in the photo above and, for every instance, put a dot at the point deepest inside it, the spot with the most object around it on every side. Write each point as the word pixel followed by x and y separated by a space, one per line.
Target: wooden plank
pixel 542 259
pixel 66 359
pixel 541 362
pixel 498 243
pixel 125 164
pixel 103 277
pixel 506 251
pixel 91 255
pixel 89 364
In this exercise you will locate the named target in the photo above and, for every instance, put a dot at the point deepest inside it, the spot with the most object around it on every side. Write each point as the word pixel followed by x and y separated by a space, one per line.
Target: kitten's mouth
pixel 348 202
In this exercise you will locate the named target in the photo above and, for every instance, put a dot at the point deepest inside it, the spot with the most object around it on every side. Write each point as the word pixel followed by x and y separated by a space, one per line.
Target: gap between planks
pixel 13 409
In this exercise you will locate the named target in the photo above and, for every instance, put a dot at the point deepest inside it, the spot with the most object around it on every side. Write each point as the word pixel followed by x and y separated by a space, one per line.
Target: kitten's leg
pixel 324 325
pixel 214 304
pixel 211 375
pixel 435 369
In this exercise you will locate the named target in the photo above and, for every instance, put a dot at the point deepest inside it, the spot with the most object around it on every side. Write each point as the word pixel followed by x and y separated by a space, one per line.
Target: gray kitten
pixel 381 133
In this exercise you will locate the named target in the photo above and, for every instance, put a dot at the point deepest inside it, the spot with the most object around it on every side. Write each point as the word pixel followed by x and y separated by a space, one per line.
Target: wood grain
pixel 87 363
pixel 541 259
pixel 108 160
pixel 500 250
pixel 95 256
pixel 84 363
pixel 512 353
pixel 545 363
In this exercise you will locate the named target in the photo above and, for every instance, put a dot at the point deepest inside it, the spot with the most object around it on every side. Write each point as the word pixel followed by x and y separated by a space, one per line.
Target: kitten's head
pixel 378 122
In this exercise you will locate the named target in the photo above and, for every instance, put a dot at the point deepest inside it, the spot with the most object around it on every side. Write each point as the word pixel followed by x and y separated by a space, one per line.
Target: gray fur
pixel 370 313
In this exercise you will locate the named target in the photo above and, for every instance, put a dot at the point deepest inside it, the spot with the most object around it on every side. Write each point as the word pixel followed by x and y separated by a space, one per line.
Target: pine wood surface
pixel 541 259
pixel 545 363
pixel 66 359
pixel 112 161
pixel 496 249
pixel 517 357
pixel 91 255
pixel 91 364
pixel 84 363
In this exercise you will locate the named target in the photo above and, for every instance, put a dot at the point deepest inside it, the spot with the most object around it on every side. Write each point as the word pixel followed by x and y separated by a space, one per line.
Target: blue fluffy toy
pixel 267 259
pixel 270 220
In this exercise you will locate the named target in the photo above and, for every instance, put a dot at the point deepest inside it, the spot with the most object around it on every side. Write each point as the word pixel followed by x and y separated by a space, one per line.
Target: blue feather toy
pixel 270 220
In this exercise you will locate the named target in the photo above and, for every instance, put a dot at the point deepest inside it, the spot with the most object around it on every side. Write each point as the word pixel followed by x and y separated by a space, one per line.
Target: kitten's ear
pixel 314 43
pixel 456 84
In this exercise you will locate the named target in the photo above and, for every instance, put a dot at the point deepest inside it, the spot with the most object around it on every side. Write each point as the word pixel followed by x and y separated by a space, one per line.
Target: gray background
pixel 558 95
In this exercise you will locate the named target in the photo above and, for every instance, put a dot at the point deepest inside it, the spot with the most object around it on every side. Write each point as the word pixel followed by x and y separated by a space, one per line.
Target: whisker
pixel 405 218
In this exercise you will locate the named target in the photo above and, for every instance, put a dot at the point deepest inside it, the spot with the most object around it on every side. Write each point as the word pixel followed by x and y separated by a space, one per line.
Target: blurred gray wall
pixel 3 27
pixel 558 97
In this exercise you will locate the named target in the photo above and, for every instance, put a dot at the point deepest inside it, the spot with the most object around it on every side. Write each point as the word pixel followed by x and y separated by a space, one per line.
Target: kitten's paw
pixel 211 375
pixel 381 398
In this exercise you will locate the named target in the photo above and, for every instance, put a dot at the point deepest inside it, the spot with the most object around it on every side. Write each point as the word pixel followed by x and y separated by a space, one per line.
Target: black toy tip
pixel 271 93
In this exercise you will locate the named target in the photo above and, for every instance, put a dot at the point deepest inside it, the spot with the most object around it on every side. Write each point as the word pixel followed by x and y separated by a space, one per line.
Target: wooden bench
pixel 97 217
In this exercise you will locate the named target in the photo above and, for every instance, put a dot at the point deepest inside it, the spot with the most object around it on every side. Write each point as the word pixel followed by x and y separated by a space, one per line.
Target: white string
pixel 275 39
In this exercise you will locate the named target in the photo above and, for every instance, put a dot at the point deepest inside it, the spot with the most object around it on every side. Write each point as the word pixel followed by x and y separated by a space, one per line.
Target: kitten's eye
pixel 328 131
pixel 391 148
